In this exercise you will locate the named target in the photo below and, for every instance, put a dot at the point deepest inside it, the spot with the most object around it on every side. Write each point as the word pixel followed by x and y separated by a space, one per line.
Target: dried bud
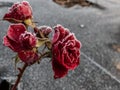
pixel 43 31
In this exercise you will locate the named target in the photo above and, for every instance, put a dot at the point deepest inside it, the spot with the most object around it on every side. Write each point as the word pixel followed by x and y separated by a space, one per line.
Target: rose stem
pixel 19 76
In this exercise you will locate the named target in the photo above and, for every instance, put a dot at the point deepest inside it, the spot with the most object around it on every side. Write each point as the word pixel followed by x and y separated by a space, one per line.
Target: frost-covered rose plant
pixel 63 48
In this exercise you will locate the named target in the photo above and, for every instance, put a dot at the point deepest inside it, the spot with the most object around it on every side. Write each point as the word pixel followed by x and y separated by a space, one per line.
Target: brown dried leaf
pixel 117 65
pixel 116 47
pixel 70 3
pixel 83 3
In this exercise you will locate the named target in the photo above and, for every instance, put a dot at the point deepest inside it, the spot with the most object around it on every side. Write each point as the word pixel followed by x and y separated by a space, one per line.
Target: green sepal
pixel 41 41
pixel 29 22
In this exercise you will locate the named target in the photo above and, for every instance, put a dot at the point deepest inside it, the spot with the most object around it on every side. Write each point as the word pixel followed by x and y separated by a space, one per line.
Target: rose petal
pixel 60 33
pixel 28 57
pixel 55 36
pixel 15 30
pixel 25 9
pixel 59 70
pixel 11 44
pixel 27 40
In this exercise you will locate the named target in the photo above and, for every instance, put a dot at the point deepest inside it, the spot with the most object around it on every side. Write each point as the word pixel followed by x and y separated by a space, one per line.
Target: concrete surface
pixel 97 70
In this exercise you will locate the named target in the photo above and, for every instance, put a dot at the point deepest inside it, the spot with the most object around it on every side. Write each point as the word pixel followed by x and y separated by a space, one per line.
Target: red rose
pixel 28 57
pixel 19 12
pixel 18 38
pixel 65 51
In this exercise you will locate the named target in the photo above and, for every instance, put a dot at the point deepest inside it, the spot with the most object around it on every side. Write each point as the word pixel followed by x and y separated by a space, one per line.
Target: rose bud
pixel 19 12
pixel 18 38
pixel 43 31
pixel 46 30
pixel 65 51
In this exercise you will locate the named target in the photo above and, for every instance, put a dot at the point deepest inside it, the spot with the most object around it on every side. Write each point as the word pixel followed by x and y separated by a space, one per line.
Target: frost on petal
pixel 55 36
pixel 59 33
pixel 19 12
pixel 11 44
pixel 65 51
pixel 27 40
pixel 15 30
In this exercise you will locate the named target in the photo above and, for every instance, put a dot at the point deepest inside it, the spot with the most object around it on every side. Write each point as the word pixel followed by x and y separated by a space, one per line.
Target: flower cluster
pixel 63 48
pixel 21 41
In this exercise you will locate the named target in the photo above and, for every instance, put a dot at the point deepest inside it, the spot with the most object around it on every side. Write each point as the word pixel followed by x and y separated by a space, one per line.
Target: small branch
pixel 45 54
pixel 21 71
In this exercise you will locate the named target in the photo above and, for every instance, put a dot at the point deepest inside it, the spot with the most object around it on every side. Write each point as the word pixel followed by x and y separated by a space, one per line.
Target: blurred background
pixel 96 23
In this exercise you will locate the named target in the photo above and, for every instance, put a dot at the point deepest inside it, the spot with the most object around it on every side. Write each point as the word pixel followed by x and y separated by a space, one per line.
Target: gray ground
pixel 97 70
